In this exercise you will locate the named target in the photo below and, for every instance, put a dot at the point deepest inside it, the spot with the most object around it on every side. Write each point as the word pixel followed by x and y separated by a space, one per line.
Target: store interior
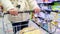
pixel 46 22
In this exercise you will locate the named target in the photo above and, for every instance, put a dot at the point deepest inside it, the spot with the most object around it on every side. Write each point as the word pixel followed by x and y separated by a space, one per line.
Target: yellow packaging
pixel 30 30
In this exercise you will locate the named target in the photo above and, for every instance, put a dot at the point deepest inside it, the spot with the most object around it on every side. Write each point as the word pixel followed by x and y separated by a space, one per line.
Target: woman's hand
pixel 13 11
pixel 37 10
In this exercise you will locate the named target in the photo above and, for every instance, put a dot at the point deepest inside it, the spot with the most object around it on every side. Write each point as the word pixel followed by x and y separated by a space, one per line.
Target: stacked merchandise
pixel 56 7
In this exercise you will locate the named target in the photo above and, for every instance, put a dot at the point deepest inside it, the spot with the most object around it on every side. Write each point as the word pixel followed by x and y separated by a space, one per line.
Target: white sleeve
pixel 33 3
pixel 7 4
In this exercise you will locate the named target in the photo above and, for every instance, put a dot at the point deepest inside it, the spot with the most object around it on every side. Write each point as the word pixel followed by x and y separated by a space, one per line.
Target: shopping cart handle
pixel 6 13
pixel 21 12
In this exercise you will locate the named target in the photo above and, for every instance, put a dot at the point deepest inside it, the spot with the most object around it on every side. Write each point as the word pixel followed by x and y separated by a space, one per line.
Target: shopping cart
pixel 6 27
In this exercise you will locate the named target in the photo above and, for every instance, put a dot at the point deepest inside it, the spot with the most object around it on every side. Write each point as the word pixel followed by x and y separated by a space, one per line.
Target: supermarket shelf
pixel 57 11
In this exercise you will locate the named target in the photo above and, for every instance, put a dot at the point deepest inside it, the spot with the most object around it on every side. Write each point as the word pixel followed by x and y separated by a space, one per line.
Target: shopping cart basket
pixel 6 27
